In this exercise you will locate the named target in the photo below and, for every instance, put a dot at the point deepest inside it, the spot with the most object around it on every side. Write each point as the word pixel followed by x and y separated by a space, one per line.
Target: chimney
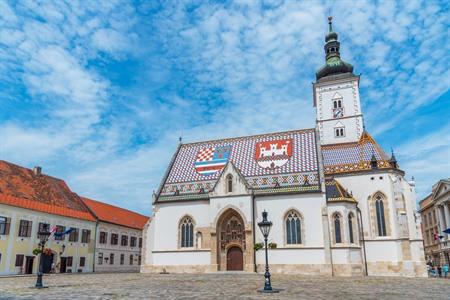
pixel 37 170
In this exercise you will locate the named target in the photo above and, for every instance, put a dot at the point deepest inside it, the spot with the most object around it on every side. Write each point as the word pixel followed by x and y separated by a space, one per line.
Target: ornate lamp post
pixel 43 238
pixel 265 226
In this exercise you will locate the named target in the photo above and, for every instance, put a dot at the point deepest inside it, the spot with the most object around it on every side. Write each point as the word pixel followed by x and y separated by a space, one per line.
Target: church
pixel 339 205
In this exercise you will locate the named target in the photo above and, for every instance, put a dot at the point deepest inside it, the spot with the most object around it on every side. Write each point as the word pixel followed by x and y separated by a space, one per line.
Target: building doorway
pixel 62 267
pixel 235 259
pixel 47 261
pixel 29 265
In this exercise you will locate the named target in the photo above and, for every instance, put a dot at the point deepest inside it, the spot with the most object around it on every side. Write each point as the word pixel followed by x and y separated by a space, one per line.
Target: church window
pixel 186 232
pixel 339 131
pixel 293 228
pixel 337 229
pixel 229 183
pixel 381 222
pixel 350 228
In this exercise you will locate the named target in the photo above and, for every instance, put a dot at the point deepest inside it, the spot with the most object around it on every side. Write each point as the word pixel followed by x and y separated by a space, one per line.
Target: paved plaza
pixel 220 286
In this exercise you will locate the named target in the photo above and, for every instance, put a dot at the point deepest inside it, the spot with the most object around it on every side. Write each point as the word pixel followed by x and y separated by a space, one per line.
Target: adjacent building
pixel 28 200
pixel 118 237
pixel 435 215
pixel 339 204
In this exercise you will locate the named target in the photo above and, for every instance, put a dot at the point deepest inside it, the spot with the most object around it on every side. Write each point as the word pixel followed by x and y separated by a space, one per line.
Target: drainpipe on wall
pixel 361 234
pixel 255 268
pixel 95 246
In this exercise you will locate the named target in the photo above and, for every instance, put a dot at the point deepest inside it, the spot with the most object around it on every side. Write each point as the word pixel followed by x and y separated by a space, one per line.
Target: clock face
pixel 338 112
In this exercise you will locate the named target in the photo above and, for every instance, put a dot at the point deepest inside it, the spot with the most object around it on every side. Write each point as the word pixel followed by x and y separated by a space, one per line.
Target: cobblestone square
pixel 220 286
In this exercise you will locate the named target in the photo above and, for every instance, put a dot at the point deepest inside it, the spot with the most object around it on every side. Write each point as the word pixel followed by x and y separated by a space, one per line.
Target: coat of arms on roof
pixel 211 160
pixel 273 154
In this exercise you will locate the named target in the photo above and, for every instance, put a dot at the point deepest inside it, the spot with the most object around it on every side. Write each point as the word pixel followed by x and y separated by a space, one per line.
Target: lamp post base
pixel 269 291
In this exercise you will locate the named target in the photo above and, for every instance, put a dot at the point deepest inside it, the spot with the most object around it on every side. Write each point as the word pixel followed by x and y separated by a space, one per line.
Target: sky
pixel 98 93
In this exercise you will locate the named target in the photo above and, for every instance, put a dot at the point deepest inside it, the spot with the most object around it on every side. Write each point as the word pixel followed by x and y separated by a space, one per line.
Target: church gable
pixel 442 188
pixel 230 182
pixel 268 161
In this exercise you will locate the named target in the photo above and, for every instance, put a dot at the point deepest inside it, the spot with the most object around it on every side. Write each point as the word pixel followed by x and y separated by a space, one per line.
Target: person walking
pixel 439 269
pixel 445 269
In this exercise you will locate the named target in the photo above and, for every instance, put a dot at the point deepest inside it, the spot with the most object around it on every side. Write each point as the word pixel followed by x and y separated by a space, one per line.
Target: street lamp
pixel 43 236
pixel 265 226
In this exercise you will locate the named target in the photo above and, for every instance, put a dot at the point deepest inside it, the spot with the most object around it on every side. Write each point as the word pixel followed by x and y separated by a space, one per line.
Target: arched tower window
pixel 186 233
pixel 293 224
pixel 381 222
pixel 337 229
pixel 229 183
pixel 350 228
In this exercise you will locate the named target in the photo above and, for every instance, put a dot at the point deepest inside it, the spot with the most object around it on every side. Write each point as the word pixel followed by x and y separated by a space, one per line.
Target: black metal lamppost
pixel 43 236
pixel 265 226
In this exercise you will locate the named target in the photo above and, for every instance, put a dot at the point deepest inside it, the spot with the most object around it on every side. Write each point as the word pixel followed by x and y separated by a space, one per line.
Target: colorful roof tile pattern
pixel 335 192
pixel 21 187
pixel 115 215
pixel 282 159
pixel 351 157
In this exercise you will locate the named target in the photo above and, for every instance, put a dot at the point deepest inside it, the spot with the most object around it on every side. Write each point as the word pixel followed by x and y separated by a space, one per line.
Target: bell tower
pixel 336 96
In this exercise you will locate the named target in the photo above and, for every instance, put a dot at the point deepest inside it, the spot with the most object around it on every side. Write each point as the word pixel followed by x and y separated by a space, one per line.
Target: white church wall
pixel 292 256
pixel 167 219
pixel 308 205
pixel 377 251
pixel 182 258
pixel 218 205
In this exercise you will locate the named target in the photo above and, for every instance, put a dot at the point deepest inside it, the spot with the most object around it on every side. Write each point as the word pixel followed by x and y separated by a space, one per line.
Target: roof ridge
pixel 104 203
pixel 248 136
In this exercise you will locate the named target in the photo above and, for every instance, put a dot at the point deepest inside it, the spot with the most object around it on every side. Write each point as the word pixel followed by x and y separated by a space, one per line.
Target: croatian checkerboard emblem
pixel 211 160
pixel 273 154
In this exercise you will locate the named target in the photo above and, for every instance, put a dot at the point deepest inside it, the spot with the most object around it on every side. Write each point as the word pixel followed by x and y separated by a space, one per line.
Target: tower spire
pixel 334 64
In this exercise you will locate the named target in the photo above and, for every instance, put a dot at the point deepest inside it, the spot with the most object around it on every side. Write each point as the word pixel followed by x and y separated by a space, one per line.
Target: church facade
pixel 339 205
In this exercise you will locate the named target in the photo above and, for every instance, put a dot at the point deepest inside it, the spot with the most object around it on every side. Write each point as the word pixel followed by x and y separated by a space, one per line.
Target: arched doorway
pixel 235 259
pixel 231 241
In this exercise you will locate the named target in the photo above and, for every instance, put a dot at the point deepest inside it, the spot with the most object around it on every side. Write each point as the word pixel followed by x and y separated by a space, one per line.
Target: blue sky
pixel 98 93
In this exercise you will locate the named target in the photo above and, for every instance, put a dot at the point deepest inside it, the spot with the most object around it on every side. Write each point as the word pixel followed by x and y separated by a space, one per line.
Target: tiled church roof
pixel 335 191
pixel 291 164
pixel 351 157
pixel 21 187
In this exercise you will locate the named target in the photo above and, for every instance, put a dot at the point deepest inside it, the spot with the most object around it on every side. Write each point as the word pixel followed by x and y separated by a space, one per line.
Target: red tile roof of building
pixel 116 215
pixel 21 187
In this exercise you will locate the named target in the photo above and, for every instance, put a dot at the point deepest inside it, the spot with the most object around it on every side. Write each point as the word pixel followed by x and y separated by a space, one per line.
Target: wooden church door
pixel 235 259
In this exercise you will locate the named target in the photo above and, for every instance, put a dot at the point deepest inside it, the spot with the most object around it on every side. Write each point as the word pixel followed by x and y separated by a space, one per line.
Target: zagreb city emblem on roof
pixel 273 154
pixel 211 160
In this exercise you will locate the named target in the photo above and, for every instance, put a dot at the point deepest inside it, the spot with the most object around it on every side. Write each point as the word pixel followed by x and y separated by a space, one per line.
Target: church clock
pixel 338 112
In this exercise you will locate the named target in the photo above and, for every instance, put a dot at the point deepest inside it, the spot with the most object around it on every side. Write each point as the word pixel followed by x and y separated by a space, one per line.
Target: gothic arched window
pixel 186 233
pixel 381 222
pixel 293 228
pixel 337 229
pixel 350 228
pixel 229 183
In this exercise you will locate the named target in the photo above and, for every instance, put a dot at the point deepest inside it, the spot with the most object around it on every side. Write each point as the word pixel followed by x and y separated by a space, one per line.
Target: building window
pixel 339 131
pixel 42 227
pixel 337 229
pixel 114 238
pixel 124 240
pixel 122 259
pixel 293 228
pixel 140 242
pixel 100 258
pixel 229 183
pixel 59 229
pixel 350 227
pixel 187 232
pixel 4 225
pixel 82 261
pixel 131 259
pixel 25 228
pixel 133 241
pixel 19 260
pixel 139 260
pixel 69 261
pixel 103 237
pixel 85 236
pixel 111 258
pixel 73 236
pixel 381 222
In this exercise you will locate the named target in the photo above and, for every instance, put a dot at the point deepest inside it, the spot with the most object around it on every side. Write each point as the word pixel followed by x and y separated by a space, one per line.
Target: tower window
pixel 229 183
pixel 339 132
